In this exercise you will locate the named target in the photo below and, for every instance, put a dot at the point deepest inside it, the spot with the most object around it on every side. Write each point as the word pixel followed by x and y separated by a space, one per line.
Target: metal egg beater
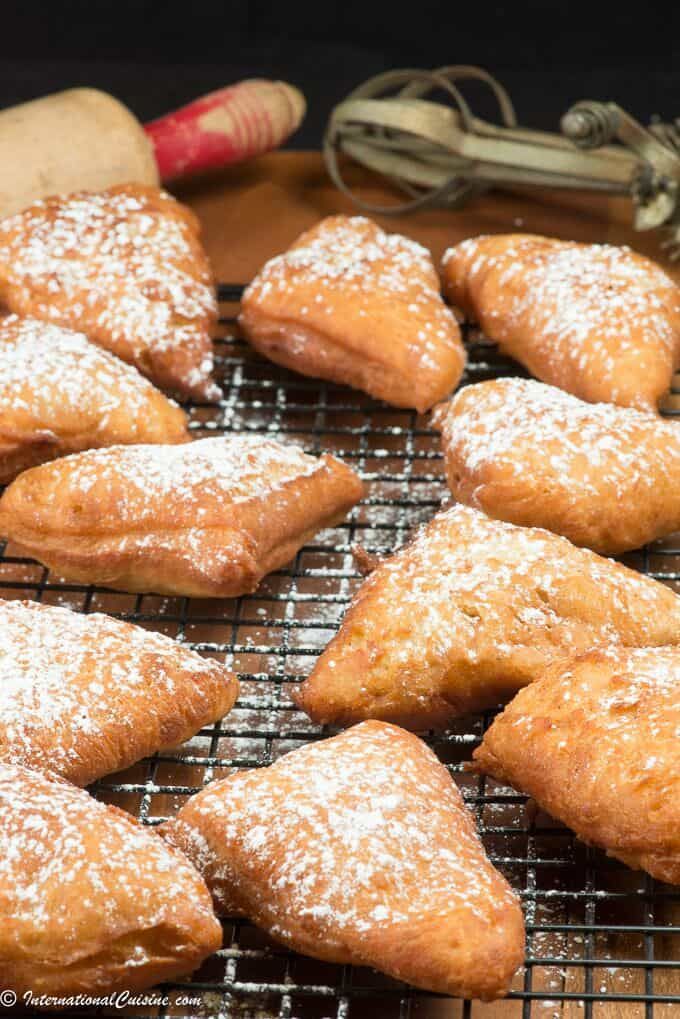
pixel 439 154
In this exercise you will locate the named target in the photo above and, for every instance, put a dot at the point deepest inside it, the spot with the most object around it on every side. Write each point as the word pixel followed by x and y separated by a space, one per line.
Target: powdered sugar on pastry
pixel 351 249
pixel 581 284
pixel 354 833
pixel 354 304
pixel 470 611
pixel 494 557
pixel 35 356
pixel 365 260
pixel 603 476
pixel 340 847
pixel 205 519
pixel 599 321
pixel 91 901
pixel 575 435
pixel 123 265
pixel 74 688
pixel 596 742
pixel 642 689
pixel 44 835
pixel 357 250
pixel 230 468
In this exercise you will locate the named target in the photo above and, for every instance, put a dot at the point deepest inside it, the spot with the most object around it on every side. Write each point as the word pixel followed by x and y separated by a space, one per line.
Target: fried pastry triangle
pixel 470 611
pixel 60 394
pixel 206 519
pixel 599 321
pixel 595 742
pixel 85 695
pixel 90 901
pixel 605 477
pixel 359 849
pixel 126 267
pixel 350 303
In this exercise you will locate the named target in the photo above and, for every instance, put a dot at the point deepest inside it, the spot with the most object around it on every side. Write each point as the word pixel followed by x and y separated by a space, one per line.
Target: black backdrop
pixel 156 55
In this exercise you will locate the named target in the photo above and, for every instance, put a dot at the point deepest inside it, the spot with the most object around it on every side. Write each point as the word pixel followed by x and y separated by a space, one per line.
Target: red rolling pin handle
pixel 226 126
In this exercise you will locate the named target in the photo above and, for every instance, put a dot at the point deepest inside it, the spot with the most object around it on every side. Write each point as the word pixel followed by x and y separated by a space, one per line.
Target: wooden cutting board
pixel 254 210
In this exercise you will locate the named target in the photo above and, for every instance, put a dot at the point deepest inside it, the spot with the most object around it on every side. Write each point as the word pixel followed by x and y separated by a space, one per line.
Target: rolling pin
pixel 84 139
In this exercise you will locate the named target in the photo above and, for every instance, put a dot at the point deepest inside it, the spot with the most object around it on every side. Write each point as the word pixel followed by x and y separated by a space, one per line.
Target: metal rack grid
pixel 602 941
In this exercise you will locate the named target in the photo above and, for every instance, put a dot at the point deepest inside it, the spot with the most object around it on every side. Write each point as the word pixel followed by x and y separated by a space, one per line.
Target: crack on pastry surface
pixel 208 518
pixel 126 267
pixel 596 743
pixel 468 612
pixel 60 394
pixel 89 899
pixel 603 476
pixel 598 321
pixel 82 696
pixel 360 850
pixel 353 304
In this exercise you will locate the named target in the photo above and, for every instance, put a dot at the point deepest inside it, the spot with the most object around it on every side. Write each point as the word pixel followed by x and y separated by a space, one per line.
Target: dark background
pixel 155 56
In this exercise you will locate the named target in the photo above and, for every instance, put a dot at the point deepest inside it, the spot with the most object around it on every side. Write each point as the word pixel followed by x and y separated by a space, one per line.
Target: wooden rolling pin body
pixel 81 139
pixel 85 140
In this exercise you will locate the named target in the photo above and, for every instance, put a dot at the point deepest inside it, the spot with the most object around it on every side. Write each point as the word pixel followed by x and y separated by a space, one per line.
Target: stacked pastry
pixel 491 597
pixel 102 290
pixel 106 488
pixel 124 266
pixel 90 900
pixel 357 849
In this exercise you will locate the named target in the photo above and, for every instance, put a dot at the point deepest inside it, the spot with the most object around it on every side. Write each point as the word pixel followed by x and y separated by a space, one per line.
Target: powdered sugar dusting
pixel 68 679
pixel 356 833
pixel 122 264
pixel 351 260
pixel 631 705
pixel 597 743
pixel 474 606
pixel 537 432
pixel 198 476
pixel 47 372
pixel 575 308
pixel 351 249
pixel 127 879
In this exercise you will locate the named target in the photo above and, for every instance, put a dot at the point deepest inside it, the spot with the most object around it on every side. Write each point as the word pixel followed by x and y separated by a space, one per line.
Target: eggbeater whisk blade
pixel 440 154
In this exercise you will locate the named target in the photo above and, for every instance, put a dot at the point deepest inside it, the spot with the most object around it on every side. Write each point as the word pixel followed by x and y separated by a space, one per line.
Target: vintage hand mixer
pixel 437 154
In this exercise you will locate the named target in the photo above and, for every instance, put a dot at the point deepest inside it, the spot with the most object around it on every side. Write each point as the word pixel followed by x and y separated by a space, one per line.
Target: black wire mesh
pixel 602 941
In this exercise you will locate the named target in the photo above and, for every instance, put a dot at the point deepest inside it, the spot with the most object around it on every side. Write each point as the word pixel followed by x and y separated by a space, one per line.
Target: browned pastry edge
pixel 181 693
pixel 318 356
pixel 19 456
pixel 160 564
pixel 146 573
pixel 550 776
pixel 100 962
pixel 441 953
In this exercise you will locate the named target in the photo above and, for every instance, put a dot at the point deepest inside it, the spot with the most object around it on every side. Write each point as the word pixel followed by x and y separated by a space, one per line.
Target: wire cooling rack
pixel 603 942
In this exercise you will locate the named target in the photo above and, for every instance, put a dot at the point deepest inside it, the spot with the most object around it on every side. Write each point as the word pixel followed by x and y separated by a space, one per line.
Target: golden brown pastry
pixel 60 394
pixel 599 321
pixel 89 899
pixel 126 267
pixel 470 611
pixel 595 742
pixel 206 519
pixel 605 477
pixel 86 695
pixel 359 850
pixel 350 303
